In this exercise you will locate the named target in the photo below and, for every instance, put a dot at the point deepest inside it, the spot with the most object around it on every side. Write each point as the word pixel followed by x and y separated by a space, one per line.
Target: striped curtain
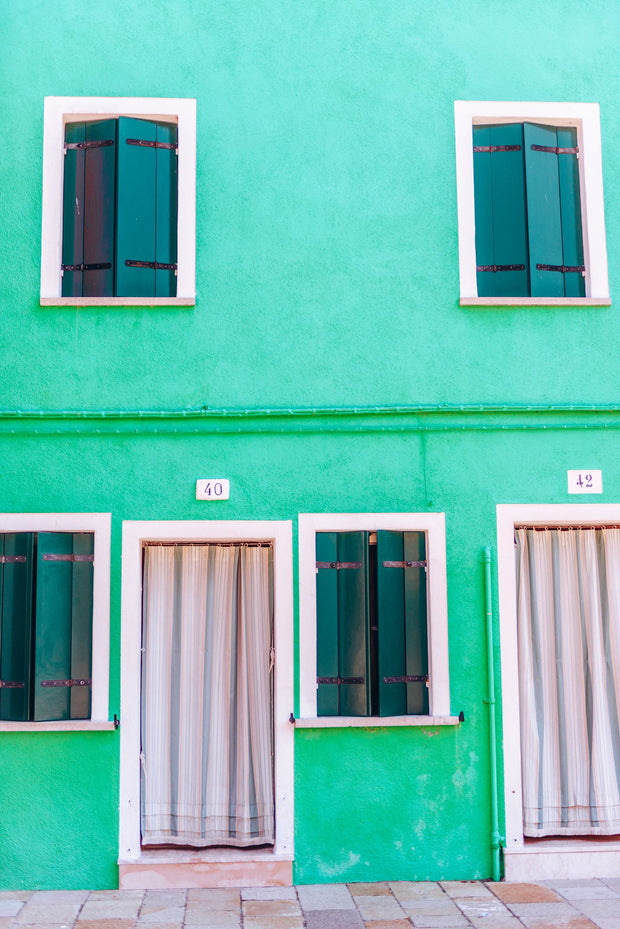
pixel 568 612
pixel 207 731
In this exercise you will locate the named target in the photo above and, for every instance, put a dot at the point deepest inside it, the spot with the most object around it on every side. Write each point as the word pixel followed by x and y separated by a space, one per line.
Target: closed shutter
pixel 402 623
pixel 63 625
pixel 16 573
pixel 88 209
pixel 500 211
pixel 343 624
pixel 146 205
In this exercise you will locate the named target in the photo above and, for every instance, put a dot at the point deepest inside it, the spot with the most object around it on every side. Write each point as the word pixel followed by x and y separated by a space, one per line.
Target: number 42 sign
pixel 585 482
pixel 212 488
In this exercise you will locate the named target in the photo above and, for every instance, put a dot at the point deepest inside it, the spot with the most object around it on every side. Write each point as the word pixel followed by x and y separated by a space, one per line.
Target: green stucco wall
pixel 327 276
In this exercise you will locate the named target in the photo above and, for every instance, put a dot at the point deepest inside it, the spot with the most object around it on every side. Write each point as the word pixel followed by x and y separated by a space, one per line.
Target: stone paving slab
pixel 559 904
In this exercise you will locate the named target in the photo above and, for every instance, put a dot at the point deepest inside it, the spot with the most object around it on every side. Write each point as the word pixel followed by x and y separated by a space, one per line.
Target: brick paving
pixel 561 904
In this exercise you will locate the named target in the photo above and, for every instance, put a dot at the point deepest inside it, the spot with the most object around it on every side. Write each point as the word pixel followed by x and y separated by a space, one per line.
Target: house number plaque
pixel 212 488
pixel 585 482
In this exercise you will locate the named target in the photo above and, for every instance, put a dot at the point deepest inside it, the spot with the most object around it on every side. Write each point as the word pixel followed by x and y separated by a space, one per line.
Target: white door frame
pixel 135 535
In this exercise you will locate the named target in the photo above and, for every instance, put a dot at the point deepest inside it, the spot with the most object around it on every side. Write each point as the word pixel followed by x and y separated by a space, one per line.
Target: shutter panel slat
pixel 166 206
pixel 81 625
pixel 485 250
pixel 354 624
pixel 570 209
pixel 136 208
pixel 16 618
pixel 73 210
pixel 391 623
pixel 416 623
pixel 99 207
pixel 543 210
pixel 327 624
pixel 53 626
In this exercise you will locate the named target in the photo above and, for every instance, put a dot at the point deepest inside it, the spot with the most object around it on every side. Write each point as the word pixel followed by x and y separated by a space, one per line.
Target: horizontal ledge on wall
pixel 118 301
pixel 291 420
pixel 374 722
pixel 534 301
pixel 58 725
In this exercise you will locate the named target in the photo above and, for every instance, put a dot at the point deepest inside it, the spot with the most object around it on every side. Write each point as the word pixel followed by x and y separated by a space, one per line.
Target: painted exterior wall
pixel 327 277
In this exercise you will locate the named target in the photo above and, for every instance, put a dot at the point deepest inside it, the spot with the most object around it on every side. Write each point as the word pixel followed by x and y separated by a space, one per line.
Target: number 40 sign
pixel 212 488
pixel 585 482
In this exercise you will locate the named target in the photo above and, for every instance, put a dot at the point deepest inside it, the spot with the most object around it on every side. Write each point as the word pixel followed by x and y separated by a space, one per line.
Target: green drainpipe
pixel 495 836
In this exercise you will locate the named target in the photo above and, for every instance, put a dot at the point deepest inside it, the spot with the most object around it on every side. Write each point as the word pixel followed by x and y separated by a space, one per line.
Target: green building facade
pixel 330 357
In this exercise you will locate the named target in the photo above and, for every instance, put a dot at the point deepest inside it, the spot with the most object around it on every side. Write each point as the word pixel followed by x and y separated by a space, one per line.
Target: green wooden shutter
pixel 402 623
pixel 543 211
pixel 327 624
pixel 88 208
pixel 16 572
pixel 343 624
pixel 354 624
pixel 166 221
pixel 146 205
pixel 500 211
pixel 63 623
pixel 570 208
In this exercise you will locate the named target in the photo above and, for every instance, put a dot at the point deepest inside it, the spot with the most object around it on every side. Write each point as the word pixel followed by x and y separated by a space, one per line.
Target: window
pixel 373 616
pixel 120 209
pixel 531 224
pixel 118 201
pixel 54 606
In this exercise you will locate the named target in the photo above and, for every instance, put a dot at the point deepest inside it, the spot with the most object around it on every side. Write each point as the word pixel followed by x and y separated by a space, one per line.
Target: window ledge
pixel 118 301
pixel 534 301
pixel 373 722
pixel 57 725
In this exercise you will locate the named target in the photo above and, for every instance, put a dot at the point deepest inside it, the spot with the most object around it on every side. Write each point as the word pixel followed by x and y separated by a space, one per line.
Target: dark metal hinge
pixel 563 269
pixel 406 679
pixel 72 682
pixel 156 265
pixel 11 684
pixel 49 556
pixel 98 143
pixel 497 148
pixel 101 266
pixel 11 559
pixel 404 564
pixel 340 680
pixel 144 143
pixel 339 565
pixel 554 150
pixel 500 267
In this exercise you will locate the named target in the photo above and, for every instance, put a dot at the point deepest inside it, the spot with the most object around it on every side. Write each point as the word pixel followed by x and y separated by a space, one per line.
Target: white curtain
pixel 207 732
pixel 568 610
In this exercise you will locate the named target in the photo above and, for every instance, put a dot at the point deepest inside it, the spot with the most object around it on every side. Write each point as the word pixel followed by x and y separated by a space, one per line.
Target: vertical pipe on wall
pixel 495 836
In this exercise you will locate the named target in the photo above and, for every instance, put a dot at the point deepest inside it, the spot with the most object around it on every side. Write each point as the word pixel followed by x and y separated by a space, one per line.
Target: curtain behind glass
pixel 568 612
pixel 207 769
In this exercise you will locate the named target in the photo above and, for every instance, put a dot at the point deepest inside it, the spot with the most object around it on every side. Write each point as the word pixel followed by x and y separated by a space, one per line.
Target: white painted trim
pixel 60 110
pixel 374 722
pixel 99 524
pixel 433 524
pixel 586 118
pixel 533 301
pixel 117 301
pixel 509 516
pixel 60 725
pixel 135 535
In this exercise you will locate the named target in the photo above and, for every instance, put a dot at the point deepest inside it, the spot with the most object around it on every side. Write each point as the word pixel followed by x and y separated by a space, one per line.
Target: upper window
pixel 118 201
pixel 54 618
pixel 373 616
pixel 531 225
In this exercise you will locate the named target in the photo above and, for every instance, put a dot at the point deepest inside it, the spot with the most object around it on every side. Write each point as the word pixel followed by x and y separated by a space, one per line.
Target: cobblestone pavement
pixel 561 904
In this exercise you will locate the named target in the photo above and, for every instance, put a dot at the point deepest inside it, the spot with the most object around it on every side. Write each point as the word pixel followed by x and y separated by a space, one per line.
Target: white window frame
pixel 136 534
pixel 508 517
pixel 585 117
pixel 433 525
pixel 99 524
pixel 58 111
